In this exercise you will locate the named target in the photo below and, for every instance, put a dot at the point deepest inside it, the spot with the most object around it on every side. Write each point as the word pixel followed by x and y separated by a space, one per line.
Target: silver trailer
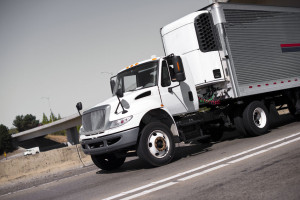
pixel 244 58
pixel 258 46
pixel 263 45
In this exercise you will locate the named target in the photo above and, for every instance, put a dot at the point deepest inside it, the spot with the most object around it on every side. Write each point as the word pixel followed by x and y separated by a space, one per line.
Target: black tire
pixel 108 162
pixel 239 123
pixel 156 145
pixel 293 103
pixel 256 119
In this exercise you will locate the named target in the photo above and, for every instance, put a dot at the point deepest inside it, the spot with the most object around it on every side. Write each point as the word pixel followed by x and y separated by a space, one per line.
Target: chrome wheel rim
pixel 259 118
pixel 158 144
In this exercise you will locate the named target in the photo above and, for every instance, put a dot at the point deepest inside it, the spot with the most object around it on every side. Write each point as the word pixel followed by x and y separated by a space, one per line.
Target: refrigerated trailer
pixel 255 48
pixel 240 54
pixel 225 66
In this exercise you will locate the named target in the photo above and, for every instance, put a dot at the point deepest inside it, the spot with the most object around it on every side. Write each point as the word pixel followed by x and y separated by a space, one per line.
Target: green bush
pixel 5 140
pixel 23 123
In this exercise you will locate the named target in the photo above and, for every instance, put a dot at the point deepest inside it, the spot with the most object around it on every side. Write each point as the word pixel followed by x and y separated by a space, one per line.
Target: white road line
pixel 248 156
pixel 203 172
pixel 210 164
pixel 130 191
pixel 263 151
pixel 149 191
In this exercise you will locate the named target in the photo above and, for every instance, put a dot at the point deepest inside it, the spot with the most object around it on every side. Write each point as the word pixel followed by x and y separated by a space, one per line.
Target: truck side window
pixel 130 82
pixel 165 77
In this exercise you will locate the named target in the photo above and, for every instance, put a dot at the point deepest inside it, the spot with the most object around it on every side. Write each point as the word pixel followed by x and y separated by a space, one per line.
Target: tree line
pixel 23 123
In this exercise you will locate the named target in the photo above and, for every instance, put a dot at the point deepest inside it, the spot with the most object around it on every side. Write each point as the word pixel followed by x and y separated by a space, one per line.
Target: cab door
pixel 177 97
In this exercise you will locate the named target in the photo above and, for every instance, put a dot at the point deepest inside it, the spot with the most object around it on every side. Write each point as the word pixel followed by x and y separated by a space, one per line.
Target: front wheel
pixel 108 161
pixel 156 145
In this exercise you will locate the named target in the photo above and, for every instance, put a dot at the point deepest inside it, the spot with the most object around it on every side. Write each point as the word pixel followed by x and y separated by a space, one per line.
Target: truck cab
pixel 140 114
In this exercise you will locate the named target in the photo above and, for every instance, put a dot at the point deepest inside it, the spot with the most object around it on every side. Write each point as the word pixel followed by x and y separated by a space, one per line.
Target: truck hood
pixel 134 102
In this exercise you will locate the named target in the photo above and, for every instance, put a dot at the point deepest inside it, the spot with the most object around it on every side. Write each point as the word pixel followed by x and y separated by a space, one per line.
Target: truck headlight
pixel 120 122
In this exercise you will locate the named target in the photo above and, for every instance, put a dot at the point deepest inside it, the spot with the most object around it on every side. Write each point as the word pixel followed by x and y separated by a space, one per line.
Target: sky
pixel 54 52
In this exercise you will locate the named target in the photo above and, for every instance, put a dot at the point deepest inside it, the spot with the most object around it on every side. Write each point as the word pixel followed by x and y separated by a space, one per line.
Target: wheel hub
pixel 160 143
pixel 259 117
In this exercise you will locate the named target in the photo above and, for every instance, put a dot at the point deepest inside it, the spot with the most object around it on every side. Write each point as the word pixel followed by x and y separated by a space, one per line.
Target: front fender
pixel 161 114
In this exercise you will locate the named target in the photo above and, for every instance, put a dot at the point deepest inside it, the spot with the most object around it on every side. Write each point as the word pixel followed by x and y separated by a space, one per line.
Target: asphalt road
pixel 264 167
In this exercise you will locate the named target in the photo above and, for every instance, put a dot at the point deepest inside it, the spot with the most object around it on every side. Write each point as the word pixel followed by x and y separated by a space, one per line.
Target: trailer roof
pixel 259 7
pixel 280 3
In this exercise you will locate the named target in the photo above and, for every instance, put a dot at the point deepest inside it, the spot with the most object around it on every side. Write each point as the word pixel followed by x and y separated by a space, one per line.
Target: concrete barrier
pixel 44 162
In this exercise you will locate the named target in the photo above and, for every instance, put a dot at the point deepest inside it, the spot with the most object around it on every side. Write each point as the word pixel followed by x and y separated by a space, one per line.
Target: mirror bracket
pixel 120 94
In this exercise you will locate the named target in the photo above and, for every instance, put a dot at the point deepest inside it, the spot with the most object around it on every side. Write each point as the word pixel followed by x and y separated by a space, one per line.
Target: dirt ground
pixel 57 138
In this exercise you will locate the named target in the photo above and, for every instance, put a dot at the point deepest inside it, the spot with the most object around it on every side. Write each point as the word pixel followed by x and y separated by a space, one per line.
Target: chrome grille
pixel 93 120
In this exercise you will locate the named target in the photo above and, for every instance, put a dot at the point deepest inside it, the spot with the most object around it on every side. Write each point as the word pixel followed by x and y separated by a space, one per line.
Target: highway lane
pixel 272 175
pixel 265 167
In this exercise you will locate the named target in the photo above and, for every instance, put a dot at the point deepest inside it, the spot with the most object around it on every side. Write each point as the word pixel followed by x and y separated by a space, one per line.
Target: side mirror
pixel 112 85
pixel 178 68
pixel 79 106
pixel 119 93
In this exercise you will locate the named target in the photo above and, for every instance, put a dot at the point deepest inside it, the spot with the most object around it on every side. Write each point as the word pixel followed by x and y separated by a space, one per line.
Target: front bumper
pixel 110 143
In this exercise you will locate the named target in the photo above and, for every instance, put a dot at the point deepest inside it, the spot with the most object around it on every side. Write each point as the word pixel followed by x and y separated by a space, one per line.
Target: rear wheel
pixel 254 120
pixel 156 145
pixel 108 161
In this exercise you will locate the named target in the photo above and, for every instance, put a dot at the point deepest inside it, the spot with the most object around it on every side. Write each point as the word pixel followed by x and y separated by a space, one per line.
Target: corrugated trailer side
pixel 264 47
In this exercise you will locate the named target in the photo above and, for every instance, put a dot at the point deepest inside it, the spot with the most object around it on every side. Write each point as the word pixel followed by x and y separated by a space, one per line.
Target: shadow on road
pixel 182 151
pixel 135 163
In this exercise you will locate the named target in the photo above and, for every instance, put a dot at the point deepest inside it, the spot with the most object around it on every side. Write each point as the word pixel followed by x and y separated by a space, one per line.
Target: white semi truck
pixel 225 66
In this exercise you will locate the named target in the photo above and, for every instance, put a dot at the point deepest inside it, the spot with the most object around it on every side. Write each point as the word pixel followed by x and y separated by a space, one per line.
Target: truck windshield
pixel 138 77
